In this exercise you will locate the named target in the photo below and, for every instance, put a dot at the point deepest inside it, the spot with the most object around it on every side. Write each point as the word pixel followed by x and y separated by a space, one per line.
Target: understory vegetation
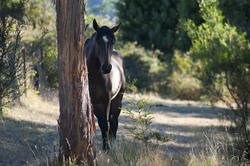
pixel 179 50
pixel 38 139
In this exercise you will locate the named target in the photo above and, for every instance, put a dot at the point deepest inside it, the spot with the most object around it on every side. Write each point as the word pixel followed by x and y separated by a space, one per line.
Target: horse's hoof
pixel 105 148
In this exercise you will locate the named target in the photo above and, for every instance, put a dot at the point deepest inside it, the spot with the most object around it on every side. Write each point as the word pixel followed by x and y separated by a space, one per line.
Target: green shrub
pixel 139 111
pixel 182 82
pixel 143 65
pixel 225 65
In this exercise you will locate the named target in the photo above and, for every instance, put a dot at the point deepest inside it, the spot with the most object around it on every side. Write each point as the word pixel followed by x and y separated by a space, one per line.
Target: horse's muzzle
pixel 106 68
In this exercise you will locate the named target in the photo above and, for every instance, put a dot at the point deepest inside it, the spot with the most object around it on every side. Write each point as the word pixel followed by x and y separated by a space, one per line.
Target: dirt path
pixel 28 133
pixel 187 123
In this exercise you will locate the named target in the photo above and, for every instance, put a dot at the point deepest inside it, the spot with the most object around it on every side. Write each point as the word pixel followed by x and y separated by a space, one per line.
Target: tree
pixel 101 7
pixel 157 24
pixel 237 13
pixel 223 54
pixel 11 22
pixel 76 116
pixel 41 42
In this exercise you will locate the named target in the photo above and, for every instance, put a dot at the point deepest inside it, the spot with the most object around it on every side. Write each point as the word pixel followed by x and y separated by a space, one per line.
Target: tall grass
pixel 133 153
pixel 38 114
pixel 217 152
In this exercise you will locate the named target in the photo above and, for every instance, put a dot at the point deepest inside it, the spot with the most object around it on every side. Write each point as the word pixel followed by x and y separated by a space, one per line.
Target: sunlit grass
pixel 132 153
pixel 30 129
pixel 35 108
pixel 217 152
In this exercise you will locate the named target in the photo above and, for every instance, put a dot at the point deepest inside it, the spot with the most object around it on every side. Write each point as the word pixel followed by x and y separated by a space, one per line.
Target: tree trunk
pixel 76 116
pixel 15 91
pixel 24 71
pixel 41 73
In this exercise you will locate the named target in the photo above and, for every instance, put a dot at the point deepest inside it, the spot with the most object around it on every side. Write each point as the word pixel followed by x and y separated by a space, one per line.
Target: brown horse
pixel 106 79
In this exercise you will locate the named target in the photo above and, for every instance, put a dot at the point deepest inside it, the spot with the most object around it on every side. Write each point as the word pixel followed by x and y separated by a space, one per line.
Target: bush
pixel 139 111
pixel 11 57
pixel 174 80
pixel 182 82
pixel 143 66
pixel 225 65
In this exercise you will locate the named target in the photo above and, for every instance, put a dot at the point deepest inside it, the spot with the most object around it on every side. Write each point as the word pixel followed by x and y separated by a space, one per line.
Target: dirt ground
pixel 28 132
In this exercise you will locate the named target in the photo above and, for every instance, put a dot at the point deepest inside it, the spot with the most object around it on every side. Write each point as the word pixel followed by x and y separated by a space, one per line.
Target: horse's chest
pixel 99 89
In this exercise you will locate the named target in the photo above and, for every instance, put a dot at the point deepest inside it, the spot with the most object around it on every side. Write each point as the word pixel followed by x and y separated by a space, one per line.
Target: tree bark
pixel 24 71
pixel 76 116
pixel 41 73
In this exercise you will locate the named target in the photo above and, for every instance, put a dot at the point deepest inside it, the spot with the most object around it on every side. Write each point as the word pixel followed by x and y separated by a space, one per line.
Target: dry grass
pixel 215 153
pixel 133 153
pixel 29 133
pixel 36 109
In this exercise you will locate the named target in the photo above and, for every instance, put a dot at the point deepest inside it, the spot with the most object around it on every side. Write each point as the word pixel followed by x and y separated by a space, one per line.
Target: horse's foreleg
pixel 115 111
pixel 113 126
pixel 103 124
pixel 103 119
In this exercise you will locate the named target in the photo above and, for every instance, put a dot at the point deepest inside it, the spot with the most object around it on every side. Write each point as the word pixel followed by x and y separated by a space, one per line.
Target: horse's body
pixel 106 81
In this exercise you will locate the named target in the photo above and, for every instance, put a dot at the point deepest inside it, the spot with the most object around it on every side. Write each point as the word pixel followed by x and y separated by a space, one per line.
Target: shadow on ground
pixel 187 125
pixel 25 143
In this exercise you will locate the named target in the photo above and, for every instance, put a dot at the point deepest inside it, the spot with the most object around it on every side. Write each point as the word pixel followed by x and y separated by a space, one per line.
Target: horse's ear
pixel 115 28
pixel 95 25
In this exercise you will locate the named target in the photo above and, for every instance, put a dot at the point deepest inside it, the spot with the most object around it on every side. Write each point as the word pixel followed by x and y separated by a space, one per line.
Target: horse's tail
pixel 93 119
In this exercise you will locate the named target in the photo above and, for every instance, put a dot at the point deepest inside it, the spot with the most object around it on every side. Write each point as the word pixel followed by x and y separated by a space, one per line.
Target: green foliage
pixel 182 82
pixel 50 67
pixel 40 39
pixel 151 75
pixel 157 24
pixel 144 66
pixel 140 114
pixel 101 20
pixel 225 63
pixel 237 13
pixel 43 53
pixel 12 9
pixel 101 7
pixel 41 15
pixel 11 21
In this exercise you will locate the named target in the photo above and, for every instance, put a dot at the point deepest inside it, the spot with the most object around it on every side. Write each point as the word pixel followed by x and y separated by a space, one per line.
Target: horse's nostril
pixel 109 67
pixel 106 68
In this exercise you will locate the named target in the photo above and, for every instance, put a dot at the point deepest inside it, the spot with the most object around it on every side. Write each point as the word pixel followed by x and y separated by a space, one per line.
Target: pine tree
pixel 157 24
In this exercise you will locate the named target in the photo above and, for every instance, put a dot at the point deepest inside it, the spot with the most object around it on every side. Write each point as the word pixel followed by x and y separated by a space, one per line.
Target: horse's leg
pixel 102 116
pixel 103 124
pixel 116 105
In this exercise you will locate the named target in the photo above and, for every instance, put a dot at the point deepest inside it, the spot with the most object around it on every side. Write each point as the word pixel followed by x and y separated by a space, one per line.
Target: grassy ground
pixel 197 130
pixel 28 131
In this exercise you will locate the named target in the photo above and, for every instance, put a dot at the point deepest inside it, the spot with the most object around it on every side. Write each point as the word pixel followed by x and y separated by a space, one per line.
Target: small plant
pixel 140 113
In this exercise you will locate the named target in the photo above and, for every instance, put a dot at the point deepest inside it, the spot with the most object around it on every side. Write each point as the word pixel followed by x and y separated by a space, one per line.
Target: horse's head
pixel 105 40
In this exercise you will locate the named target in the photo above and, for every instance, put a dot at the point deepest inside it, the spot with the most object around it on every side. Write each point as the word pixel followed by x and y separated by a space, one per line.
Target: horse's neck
pixel 92 60
pixel 93 63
